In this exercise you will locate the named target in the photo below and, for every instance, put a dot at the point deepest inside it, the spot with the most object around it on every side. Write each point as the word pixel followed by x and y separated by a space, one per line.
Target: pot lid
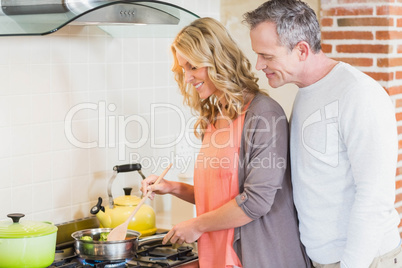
pixel 127 200
pixel 16 229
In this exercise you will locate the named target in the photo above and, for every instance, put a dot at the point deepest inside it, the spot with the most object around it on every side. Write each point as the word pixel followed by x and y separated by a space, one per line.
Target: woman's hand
pixel 184 232
pixel 163 187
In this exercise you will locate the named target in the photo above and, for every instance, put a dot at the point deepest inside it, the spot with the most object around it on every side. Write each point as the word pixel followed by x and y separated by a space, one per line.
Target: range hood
pixel 134 18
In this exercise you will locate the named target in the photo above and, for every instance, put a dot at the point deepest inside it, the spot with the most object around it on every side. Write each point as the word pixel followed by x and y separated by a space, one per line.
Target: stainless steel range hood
pixel 136 17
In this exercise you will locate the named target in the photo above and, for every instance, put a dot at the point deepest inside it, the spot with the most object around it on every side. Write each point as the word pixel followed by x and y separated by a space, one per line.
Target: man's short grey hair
pixel 295 21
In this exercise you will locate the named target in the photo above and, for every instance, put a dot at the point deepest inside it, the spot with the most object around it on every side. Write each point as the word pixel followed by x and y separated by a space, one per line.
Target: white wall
pixel 45 176
pixel 43 79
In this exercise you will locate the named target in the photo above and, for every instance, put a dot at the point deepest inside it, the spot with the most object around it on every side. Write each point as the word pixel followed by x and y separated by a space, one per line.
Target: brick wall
pixel 368 35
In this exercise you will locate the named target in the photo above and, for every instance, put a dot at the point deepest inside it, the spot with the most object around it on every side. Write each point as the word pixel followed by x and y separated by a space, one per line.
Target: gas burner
pixel 166 252
pixel 165 255
pixel 104 264
pixel 80 263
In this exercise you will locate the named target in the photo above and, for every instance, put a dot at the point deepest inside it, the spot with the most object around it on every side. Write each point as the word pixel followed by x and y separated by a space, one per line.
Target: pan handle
pixel 151 239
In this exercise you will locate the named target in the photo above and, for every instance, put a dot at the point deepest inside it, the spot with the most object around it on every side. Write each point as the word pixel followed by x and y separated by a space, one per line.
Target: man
pixel 343 142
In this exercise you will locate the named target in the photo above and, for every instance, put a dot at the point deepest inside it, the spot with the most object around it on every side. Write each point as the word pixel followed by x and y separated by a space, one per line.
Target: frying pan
pixel 109 250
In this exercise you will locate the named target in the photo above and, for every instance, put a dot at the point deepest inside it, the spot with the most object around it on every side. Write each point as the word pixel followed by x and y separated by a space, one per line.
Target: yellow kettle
pixel 120 208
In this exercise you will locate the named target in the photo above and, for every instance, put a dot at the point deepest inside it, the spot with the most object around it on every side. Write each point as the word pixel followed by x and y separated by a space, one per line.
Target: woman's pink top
pixel 215 184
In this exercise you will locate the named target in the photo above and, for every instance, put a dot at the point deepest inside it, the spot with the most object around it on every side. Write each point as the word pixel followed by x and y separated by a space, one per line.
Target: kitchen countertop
pixel 164 220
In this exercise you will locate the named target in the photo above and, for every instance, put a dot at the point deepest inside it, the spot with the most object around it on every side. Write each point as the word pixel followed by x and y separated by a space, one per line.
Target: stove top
pixel 148 256
pixel 150 253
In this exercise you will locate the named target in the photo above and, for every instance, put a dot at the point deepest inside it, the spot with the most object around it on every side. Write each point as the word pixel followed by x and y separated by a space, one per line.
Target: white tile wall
pixel 43 79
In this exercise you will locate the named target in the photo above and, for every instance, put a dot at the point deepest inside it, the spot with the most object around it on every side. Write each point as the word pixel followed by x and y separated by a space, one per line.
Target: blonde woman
pixel 242 190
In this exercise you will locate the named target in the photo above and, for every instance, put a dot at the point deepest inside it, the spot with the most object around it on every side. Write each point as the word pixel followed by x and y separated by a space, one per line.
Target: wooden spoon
pixel 119 232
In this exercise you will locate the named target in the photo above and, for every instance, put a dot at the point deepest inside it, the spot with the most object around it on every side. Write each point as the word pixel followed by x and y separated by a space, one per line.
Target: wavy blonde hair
pixel 207 43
